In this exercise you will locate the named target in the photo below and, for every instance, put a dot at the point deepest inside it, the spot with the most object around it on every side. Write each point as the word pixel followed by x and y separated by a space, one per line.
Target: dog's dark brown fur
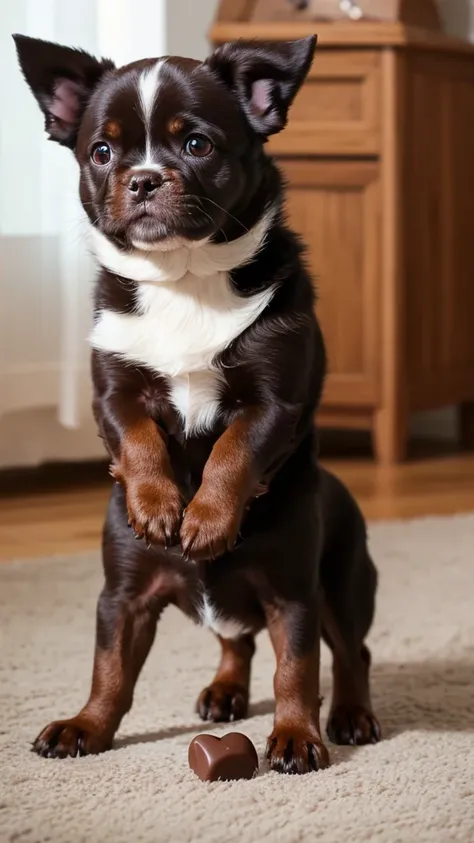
pixel 243 512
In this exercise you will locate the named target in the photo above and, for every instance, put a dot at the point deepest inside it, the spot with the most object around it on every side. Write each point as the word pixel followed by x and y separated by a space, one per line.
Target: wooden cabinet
pixel 379 157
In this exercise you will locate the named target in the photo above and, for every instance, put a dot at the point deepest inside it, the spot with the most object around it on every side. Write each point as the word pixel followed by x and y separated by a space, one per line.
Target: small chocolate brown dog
pixel 208 365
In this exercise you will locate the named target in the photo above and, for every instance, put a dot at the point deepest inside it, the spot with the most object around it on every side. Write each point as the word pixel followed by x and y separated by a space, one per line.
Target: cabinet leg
pixel 390 437
pixel 466 425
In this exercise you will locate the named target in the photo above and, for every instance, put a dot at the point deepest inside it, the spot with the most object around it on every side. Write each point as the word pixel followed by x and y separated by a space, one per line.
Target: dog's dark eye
pixel 101 154
pixel 198 146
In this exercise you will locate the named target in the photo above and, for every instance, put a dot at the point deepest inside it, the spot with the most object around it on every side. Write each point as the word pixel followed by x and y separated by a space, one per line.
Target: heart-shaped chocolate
pixel 231 757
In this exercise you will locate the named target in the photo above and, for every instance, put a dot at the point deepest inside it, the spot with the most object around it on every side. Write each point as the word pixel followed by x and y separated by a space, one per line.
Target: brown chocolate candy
pixel 231 757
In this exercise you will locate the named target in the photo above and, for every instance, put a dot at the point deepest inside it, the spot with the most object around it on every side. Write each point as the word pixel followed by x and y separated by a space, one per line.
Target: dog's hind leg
pixel 346 617
pixel 227 698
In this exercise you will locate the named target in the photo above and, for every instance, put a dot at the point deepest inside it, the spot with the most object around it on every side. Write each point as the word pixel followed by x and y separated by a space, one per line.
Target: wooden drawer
pixel 337 112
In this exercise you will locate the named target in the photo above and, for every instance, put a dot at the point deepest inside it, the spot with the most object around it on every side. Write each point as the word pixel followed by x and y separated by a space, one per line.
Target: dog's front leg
pixel 154 501
pixel 232 477
pixel 140 459
pixel 125 633
pixel 295 745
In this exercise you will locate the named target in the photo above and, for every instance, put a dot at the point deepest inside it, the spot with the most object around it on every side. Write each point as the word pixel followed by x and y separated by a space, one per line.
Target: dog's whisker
pixel 203 212
pixel 231 216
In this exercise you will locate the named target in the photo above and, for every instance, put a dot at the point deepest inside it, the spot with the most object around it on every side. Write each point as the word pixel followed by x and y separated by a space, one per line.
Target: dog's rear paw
pixel 223 702
pixel 70 738
pixel 354 726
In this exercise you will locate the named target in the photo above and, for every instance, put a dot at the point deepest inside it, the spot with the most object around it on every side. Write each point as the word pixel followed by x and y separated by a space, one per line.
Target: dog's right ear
pixel 264 77
pixel 62 80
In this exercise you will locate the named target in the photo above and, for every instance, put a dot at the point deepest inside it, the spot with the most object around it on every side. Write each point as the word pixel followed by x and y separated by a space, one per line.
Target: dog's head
pixel 170 149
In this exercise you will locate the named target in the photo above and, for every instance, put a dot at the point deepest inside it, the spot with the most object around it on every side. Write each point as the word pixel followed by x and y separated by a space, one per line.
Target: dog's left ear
pixel 265 77
pixel 62 80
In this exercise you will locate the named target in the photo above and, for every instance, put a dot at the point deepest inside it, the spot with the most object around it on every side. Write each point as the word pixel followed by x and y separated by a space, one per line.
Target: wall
pixel 187 27
pixel 458 16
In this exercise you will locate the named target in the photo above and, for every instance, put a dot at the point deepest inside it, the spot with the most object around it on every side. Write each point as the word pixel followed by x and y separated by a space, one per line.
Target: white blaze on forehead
pixel 148 86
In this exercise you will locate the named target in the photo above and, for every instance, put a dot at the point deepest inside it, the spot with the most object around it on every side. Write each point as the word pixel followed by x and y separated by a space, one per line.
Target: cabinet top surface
pixel 343 34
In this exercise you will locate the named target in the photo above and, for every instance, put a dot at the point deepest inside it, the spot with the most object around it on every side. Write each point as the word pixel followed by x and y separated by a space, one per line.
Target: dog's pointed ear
pixel 265 77
pixel 62 80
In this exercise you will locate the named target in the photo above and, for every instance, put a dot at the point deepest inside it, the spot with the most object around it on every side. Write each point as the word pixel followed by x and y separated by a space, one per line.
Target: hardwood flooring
pixel 66 517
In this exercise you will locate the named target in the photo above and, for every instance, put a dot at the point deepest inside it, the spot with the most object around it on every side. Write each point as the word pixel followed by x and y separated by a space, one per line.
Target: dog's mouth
pixel 156 222
pixel 148 225
pixel 142 211
pixel 145 228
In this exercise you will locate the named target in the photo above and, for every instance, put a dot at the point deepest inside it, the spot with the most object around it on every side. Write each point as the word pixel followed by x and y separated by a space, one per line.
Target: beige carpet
pixel 417 785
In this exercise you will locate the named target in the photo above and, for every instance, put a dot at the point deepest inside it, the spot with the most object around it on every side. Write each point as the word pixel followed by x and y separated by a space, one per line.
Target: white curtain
pixel 46 270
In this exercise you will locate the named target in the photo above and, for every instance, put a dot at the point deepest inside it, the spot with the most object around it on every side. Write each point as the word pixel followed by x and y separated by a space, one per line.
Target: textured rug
pixel 417 785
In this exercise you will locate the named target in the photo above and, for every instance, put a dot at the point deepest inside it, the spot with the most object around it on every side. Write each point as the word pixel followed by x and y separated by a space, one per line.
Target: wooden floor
pixel 68 518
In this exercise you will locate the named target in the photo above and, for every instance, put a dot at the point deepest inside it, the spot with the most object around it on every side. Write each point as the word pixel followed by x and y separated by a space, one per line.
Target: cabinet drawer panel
pixel 337 110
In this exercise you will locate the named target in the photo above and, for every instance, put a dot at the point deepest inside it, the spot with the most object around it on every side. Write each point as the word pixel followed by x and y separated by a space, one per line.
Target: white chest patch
pixel 186 314
pixel 226 628
pixel 196 398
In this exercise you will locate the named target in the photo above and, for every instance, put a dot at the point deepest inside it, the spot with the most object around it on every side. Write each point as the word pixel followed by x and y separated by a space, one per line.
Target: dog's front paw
pixel 154 510
pixel 209 529
pixel 70 738
pixel 296 750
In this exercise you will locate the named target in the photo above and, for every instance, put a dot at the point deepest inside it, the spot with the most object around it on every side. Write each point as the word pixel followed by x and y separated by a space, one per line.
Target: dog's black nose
pixel 144 185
